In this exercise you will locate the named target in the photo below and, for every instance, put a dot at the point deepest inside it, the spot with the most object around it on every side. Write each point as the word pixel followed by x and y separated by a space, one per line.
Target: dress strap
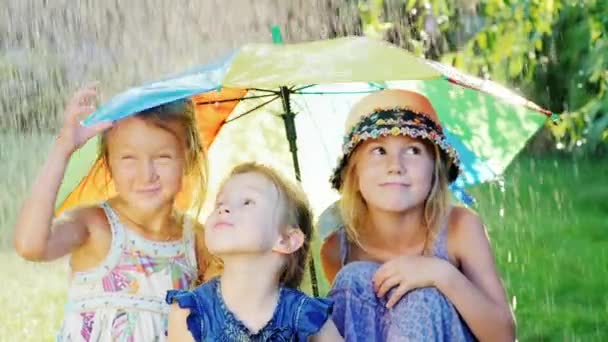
pixel 117 245
pixel 119 234
pixel 440 247
pixel 343 242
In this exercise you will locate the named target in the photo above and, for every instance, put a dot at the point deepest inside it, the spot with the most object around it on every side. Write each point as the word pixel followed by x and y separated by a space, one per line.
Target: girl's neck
pixel 250 288
pixel 396 231
pixel 154 221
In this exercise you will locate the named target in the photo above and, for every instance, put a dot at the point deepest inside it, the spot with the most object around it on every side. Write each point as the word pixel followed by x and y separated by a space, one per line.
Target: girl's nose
pixel 149 172
pixel 223 209
pixel 395 165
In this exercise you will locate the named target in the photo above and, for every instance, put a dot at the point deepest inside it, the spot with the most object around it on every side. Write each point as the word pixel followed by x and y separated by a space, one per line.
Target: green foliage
pixel 579 75
pixel 555 52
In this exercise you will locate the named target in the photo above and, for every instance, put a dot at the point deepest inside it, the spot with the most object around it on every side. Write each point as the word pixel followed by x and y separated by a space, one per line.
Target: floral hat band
pixel 396 121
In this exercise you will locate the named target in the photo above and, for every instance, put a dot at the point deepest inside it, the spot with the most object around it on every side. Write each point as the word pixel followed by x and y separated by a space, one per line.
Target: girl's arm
pixel 37 237
pixel 328 333
pixel 477 292
pixel 177 330
pixel 330 257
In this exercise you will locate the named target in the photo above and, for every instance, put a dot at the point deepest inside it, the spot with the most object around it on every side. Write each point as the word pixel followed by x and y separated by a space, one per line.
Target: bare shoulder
pixel 465 229
pixel 330 256
pixel 89 216
pixel 85 233
pixel 463 219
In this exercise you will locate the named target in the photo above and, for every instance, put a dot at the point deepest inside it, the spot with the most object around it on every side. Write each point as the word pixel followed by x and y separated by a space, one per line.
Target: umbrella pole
pixel 290 130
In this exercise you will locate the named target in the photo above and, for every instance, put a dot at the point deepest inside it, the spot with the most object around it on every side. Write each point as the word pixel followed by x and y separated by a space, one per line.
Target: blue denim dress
pixel 296 317
pixel 423 314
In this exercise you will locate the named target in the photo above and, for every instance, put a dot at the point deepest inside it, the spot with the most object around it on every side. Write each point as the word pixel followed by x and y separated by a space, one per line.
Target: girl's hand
pixel 407 273
pixel 73 134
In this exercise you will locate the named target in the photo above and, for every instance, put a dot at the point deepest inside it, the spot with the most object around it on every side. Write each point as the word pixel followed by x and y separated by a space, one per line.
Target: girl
pixel 409 266
pixel 125 253
pixel 261 229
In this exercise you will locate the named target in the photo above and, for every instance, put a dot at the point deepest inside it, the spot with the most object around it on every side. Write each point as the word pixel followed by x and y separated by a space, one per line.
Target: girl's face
pixel 146 162
pixel 247 217
pixel 394 173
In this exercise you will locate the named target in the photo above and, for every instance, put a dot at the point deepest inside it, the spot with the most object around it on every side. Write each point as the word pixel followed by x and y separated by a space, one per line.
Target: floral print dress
pixel 123 299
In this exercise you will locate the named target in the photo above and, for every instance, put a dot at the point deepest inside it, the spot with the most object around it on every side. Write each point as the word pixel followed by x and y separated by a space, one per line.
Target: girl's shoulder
pixel 464 228
pixel 331 255
pixel 305 307
pixel 201 297
pixel 92 218
pixel 201 305
pixel 307 314
pixel 90 215
pixel 460 217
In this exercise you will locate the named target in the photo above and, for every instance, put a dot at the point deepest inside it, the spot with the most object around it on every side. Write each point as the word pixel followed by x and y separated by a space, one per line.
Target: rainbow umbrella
pixel 285 105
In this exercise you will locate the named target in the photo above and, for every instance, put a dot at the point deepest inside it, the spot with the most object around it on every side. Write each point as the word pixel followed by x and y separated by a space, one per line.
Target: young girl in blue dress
pixel 261 230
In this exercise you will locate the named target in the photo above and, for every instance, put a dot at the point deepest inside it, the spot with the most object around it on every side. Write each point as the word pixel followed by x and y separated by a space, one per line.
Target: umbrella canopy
pixel 319 81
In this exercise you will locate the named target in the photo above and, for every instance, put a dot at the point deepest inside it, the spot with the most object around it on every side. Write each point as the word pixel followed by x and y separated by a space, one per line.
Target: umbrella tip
pixel 277 36
pixel 556 118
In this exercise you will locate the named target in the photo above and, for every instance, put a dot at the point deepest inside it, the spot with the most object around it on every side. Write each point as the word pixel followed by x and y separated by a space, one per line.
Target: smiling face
pixel 146 162
pixel 248 216
pixel 394 173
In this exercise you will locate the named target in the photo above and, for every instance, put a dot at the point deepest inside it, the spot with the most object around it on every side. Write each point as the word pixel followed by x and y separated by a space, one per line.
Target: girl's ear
pixel 290 241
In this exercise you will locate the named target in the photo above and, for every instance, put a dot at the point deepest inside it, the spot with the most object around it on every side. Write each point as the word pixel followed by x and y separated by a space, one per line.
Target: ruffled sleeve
pixel 187 300
pixel 313 314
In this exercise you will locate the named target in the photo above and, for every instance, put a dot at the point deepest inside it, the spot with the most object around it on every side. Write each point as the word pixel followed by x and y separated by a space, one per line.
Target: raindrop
pixel 579 85
pixel 509 257
pixel 560 146
pixel 501 212
pixel 514 303
pixel 501 185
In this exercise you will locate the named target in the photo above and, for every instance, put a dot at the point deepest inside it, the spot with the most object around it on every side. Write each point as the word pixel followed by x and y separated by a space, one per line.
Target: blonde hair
pixel 354 210
pixel 180 112
pixel 297 214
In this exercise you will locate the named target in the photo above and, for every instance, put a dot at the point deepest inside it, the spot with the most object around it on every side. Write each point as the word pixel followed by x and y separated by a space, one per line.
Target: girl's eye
pixel 248 202
pixel 379 150
pixel 164 156
pixel 127 157
pixel 415 150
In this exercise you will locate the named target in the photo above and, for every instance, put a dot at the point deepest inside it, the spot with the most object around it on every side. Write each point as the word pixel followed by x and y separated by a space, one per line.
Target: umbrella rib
pixel 295 91
pixel 335 92
pixel 235 99
pixel 253 109
pixel 265 90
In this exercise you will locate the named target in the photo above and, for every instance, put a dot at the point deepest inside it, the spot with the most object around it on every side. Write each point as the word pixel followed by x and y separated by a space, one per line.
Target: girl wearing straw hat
pixel 406 264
